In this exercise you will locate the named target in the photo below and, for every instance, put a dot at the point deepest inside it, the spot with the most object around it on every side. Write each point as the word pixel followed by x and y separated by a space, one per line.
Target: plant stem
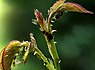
pixel 40 55
pixel 53 52
pixel 47 62
pixel 52 46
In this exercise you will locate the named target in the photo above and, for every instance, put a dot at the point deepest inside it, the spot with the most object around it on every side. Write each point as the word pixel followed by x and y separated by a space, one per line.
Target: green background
pixel 75 33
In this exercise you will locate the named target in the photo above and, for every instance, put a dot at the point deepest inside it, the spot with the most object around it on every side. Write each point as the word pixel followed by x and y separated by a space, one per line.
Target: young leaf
pixel 56 6
pixel 74 7
pixel 38 16
pixel 62 0
pixel 60 6
pixel 41 21
pixel 7 55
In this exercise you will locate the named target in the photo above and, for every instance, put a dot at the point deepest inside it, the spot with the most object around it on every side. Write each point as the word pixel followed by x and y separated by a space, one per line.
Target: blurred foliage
pixel 76 36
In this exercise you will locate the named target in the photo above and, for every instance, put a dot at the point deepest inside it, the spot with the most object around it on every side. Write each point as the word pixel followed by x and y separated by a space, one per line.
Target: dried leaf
pixel 74 7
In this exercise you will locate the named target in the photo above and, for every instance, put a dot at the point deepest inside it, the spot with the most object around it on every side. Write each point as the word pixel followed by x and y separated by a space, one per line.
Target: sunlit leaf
pixel 7 55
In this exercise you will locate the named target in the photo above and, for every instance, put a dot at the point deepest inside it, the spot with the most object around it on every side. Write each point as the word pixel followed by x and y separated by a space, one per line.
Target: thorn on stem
pixel 55 42
pixel 54 31
pixel 34 21
pixel 59 61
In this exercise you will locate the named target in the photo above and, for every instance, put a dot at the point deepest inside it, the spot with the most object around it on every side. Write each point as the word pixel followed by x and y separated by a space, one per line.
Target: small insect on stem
pixel 49 35
pixel 58 14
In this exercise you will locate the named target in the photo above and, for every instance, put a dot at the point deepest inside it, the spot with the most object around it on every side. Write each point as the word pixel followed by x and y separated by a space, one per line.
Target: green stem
pixel 53 52
pixel 40 55
pixel 52 46
pixel 47 62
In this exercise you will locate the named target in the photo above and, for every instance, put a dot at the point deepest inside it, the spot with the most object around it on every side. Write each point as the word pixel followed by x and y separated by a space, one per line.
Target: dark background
pixel 75 33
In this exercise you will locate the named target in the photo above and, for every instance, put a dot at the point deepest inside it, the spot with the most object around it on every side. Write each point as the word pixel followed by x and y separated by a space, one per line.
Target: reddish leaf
pixel 69 6
pixel 41 21
pixel 56 5
pixel 38 16
pixel 62 0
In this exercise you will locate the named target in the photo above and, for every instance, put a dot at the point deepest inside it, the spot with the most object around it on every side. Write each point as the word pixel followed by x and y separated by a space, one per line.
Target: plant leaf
pixel 56 6
pixel 62 0
pixel 54 9
pixel 8 54
pixel 74 7
pixel 41 21
pixel 61 6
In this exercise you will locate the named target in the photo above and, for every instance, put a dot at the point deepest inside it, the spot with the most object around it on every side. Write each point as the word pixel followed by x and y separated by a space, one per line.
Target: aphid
pixel 49 35
pixel 58 14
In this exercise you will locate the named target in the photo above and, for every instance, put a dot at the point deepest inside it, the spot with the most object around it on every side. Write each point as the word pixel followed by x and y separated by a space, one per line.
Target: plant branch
pixel 53 52
pixel 40 55
pixel 52 46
